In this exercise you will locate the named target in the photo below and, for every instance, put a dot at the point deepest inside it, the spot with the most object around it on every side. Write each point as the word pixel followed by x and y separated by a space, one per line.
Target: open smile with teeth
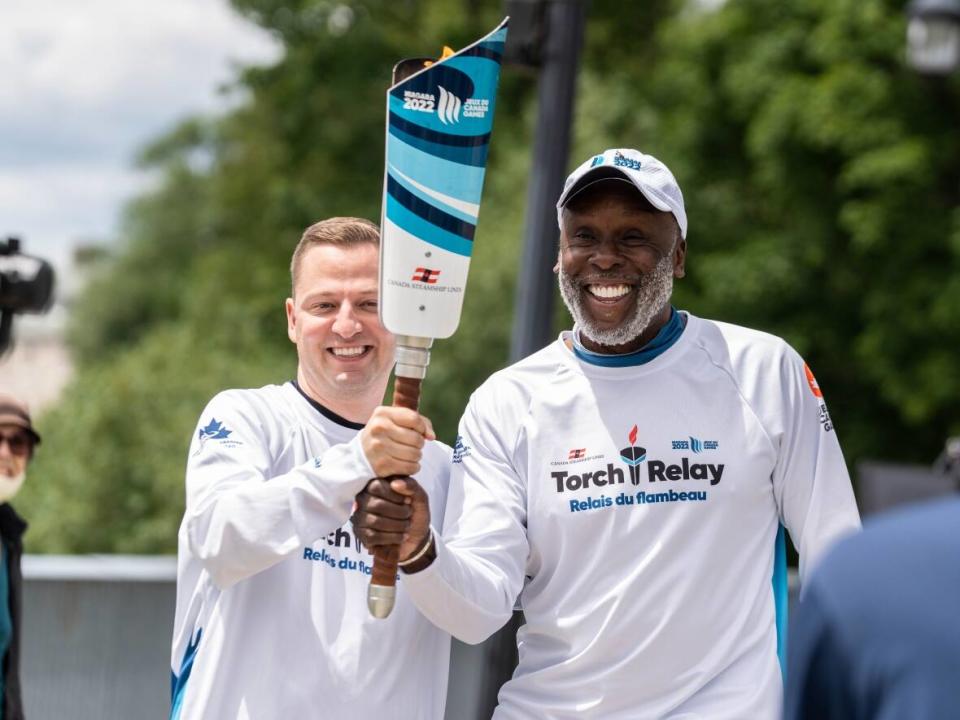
pixel 348 353
pixel 608 292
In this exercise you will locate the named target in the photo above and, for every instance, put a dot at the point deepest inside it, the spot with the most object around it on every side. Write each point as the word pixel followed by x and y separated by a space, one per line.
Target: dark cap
pixel 14 412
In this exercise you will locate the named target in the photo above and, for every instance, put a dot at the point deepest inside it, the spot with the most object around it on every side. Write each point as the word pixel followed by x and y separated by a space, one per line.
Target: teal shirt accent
pixel 666 337
pixel 6 622
pixel 178 683
pixel 780 597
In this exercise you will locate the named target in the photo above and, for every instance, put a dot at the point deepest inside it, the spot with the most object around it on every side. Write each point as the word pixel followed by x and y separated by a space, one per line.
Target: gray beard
pixel 10 486
pixel 653 293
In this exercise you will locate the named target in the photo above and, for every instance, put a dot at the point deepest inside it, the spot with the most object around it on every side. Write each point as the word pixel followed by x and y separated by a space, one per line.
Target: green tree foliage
pixel 193 301
pixel 821 179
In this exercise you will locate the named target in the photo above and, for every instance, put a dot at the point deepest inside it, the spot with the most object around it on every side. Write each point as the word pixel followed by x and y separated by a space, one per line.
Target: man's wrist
pixel 422 558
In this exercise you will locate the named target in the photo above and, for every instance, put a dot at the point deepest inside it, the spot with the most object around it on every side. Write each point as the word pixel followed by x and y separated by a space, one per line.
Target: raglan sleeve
pixel 811 483
pixel 240 518
pixel 471 587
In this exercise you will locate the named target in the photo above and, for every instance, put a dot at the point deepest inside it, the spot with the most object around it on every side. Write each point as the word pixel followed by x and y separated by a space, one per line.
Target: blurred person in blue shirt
pixel 877 632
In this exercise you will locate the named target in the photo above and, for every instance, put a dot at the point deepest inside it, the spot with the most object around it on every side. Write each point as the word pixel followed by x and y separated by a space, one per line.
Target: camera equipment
pixel 26 286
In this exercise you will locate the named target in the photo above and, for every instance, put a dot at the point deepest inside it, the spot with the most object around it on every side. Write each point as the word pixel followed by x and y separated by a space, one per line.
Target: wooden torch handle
pixel 406 393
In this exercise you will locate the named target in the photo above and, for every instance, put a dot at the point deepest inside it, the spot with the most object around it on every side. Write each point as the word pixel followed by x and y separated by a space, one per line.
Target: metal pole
pixel 532 325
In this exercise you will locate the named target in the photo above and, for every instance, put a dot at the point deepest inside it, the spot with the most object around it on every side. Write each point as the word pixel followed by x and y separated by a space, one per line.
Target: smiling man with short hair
pixel 627 484
pixel 271 617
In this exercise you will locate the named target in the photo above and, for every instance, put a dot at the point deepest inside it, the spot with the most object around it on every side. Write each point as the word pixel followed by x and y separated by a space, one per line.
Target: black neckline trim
pixel 327 412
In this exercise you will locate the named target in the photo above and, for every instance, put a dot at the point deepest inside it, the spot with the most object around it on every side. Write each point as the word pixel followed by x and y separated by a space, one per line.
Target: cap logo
pixel 597 160
pixel 621 161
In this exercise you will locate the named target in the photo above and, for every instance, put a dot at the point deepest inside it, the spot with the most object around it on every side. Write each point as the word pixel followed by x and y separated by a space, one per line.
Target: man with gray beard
pixel 629 484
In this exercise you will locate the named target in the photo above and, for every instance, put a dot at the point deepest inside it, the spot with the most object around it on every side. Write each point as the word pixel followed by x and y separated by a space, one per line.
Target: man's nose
pixel 346 324
pixel 606 255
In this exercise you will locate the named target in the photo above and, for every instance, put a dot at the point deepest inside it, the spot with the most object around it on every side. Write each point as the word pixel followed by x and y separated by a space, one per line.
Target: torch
pixel 439 119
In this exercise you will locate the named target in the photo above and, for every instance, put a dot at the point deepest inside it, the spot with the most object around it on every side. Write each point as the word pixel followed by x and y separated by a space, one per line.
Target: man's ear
pixel 291 320
pixel 680 258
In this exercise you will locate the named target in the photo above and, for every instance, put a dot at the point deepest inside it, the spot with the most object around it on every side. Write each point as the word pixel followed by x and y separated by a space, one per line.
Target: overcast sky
pixel 83 85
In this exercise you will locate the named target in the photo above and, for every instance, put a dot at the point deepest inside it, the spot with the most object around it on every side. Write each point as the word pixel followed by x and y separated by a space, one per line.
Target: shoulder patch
pixel 216 430
pixel 812 381
pixel 460 450
pixel 824 414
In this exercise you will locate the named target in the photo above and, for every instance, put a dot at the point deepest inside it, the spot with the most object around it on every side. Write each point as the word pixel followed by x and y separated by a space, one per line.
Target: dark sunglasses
pixel 20 444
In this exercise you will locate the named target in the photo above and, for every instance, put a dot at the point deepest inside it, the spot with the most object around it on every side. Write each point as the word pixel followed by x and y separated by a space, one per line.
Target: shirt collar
pixel 664 339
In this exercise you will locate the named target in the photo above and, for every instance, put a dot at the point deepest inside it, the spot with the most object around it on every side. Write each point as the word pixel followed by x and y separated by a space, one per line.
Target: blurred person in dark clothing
pixel 877 632
pixel 17 441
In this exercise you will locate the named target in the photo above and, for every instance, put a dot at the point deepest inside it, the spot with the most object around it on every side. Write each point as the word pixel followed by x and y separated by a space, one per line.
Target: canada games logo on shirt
pixel 695 444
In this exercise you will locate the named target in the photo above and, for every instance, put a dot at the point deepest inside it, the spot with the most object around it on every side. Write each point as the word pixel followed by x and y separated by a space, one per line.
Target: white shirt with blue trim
pixel 271 618
pixel 634 511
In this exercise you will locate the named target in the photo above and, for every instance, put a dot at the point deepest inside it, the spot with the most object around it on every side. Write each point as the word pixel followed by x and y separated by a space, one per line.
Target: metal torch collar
pixel 412 356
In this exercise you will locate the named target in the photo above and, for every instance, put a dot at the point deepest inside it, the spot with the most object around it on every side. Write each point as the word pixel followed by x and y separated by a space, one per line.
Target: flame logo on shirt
pixel 633 456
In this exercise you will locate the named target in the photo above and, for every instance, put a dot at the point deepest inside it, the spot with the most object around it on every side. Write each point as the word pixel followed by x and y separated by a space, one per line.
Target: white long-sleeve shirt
pixel 271 618
pixel 634 511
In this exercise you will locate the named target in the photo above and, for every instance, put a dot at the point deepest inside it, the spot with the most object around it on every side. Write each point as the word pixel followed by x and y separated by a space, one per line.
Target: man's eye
pixel 369 305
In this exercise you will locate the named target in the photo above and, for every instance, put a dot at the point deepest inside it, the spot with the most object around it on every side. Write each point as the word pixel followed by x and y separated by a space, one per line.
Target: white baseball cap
pixel 650 176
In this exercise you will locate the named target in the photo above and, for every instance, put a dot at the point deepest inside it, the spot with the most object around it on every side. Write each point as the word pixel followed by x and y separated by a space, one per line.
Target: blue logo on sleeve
pixel 460 450
pixel 214 431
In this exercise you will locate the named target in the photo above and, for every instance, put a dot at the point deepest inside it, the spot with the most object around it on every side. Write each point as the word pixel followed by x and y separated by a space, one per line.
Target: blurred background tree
pixel 821 176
